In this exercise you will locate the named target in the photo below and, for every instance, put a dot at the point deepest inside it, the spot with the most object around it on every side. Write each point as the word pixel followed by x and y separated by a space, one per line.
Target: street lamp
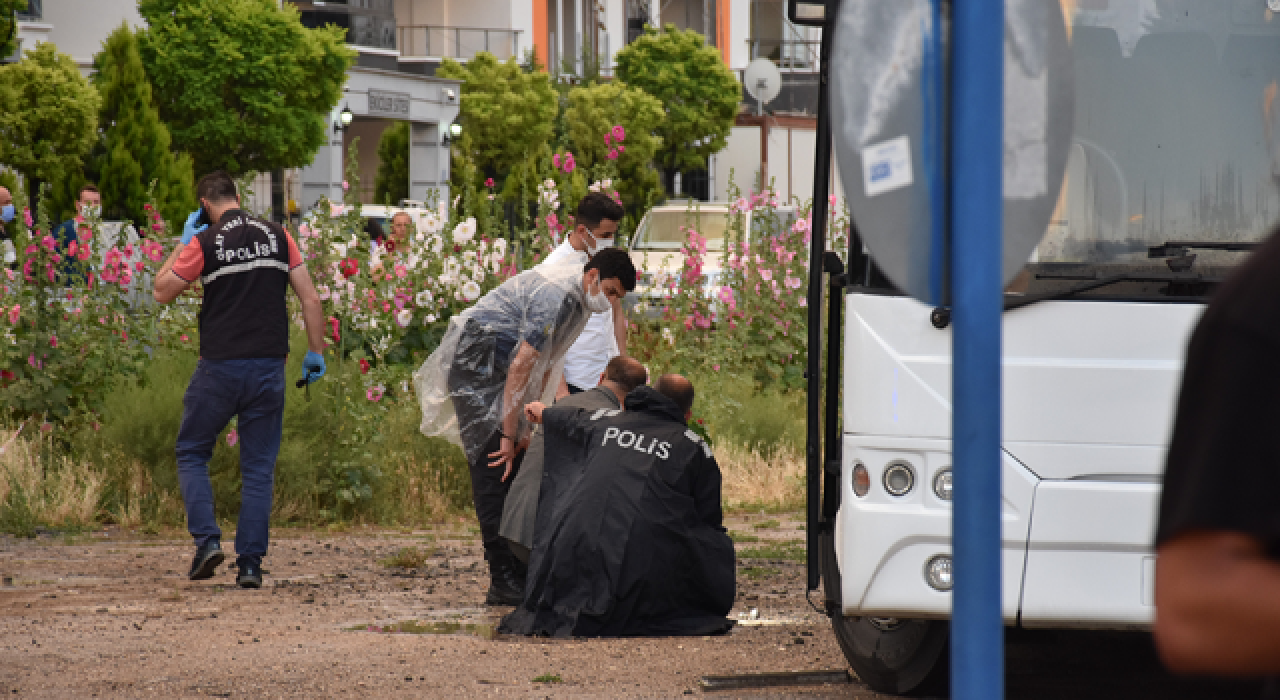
pixel 344 119
pixel 451 134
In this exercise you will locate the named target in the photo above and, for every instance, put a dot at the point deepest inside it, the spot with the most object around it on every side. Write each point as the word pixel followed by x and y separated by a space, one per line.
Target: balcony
pixel 791 55
pixel 458 43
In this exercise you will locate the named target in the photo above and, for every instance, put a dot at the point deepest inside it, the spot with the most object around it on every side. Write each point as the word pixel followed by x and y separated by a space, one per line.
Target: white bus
pixel 1173 176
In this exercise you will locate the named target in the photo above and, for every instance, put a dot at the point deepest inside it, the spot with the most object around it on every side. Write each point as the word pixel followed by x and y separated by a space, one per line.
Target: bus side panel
pixel 883 542
pixel 1089 560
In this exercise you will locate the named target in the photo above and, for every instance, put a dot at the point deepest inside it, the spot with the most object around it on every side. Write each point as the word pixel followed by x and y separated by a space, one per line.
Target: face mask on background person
pixel 598 301
pixel 7 212
pixel 594 246
pixel 91 210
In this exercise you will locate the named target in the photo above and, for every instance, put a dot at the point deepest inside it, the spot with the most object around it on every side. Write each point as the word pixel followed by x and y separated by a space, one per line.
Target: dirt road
pixel 111 614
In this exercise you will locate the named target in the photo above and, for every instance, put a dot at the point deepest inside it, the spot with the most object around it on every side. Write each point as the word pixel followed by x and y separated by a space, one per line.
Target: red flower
pixel 488 182
pixel 349 268
pixel 389 244
pixel 364 366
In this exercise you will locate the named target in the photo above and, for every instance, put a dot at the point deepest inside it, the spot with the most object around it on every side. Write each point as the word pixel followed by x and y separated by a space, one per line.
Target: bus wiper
pixel 1178 255
pixel 940 317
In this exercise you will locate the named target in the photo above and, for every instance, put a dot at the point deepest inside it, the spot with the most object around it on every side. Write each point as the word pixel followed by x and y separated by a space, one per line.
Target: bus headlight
pixel 861 480
pixel 937 573
pixel 899 478
pixel 942 484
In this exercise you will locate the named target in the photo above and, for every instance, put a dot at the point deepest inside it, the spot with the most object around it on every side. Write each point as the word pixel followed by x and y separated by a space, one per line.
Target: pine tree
pixel 136 142
pixel 392 182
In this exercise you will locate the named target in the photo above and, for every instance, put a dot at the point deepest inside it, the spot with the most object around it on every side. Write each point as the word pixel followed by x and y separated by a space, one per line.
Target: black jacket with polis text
pixel 629 539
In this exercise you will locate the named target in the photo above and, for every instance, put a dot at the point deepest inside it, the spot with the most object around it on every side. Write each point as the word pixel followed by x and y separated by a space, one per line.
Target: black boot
pixel 506 585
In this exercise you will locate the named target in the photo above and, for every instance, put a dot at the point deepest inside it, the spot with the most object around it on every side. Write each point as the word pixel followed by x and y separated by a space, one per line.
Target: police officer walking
pixel 245 265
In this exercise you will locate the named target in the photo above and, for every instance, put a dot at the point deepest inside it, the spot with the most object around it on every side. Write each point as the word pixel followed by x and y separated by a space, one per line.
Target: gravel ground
pixel 110 614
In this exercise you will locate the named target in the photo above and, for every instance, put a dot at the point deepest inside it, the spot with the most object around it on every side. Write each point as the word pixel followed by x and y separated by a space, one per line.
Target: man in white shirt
pixel 605 335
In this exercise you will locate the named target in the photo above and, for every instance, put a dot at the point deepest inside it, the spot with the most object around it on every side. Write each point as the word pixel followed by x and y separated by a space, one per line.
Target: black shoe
pixel 206 562
pixel 250 575
pixel 506 585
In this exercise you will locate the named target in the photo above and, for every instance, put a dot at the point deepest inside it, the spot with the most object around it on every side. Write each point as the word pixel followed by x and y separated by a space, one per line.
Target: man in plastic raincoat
pixel 497 356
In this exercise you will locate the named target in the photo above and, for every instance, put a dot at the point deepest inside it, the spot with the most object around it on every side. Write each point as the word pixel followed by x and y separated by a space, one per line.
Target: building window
pixel 698 15
pixel 34 11
pixel 369 23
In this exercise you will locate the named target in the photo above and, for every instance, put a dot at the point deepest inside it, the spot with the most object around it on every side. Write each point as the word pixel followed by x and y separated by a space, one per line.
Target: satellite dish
pixel 762 80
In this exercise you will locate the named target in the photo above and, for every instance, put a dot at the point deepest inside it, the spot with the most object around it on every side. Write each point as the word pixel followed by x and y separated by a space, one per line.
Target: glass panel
pixel 1177 133
pixel 668 229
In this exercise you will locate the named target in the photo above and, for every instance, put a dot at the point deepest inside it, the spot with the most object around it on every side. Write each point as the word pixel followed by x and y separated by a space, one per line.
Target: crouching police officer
pixel 245 265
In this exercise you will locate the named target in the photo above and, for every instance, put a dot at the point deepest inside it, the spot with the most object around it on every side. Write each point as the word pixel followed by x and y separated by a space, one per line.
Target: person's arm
pixel 620 326
pixel 312 310
pixel 562 389
pixel 707 490
pixel 1217 605
pixel 168 285
pixel 512 397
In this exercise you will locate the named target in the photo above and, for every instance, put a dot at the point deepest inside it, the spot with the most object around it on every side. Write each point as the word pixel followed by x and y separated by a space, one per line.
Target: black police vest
pixel 245 277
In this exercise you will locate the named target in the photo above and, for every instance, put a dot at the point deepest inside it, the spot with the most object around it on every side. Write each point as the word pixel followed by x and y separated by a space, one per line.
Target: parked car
pixel 657 245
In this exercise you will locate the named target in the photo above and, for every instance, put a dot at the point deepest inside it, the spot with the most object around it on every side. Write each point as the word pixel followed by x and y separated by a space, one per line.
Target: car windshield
pixel 1176 139
pixel 668 229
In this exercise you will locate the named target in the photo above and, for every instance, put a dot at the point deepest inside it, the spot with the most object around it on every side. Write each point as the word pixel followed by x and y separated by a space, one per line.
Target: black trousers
pixel 473 380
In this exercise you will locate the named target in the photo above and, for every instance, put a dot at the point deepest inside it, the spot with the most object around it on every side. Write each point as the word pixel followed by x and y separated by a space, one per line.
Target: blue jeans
pixel 253 390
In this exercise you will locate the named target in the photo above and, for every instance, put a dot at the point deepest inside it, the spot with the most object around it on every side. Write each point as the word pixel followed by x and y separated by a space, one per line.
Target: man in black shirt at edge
pixel 1218 538
pixel 245 265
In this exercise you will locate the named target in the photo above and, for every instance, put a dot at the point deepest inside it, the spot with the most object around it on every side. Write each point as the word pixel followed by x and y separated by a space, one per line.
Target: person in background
pixel 1217 583
pixel 400 229
pixel 605 336
pixel 520 512
pixel 8 256
pixel 630 533
pixel 88 204
pixel 245 265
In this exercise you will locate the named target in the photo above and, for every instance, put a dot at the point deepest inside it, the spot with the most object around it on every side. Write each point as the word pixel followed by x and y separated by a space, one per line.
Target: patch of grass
pixel 755 573
pixel 407 558
pixel 767 525
pixel 548 678
pixel 741 537
pixel 793 550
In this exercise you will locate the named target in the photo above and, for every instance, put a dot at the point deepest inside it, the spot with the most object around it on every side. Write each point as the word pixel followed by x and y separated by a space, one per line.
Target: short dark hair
pixel 86 187
pixel 597 206
pixel 614 263
pixel 626 372
pixel 678 389
pixel 216 187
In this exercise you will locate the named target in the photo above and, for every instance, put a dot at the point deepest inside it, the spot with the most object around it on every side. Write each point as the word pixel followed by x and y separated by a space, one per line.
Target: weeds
pixel 407 558
pixel 548 678
pixel 793 550
pixel 767 525
pixel 755 573
pixel 742 537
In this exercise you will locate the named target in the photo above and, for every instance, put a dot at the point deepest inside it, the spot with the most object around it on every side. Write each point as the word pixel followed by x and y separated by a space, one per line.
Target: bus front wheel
pixel 893 655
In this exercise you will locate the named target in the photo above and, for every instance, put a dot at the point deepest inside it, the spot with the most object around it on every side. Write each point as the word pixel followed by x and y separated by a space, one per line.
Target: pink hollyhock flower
pixel 608 140
pixel 26 217
pixel 766 275
pixel 555 161
pixel 801 225
pixel 72 248
pixel 335 209
pixel 46 427
pixel 345 186
pixel 374 393
pixel 53 341
pixel 832 199
pixel 183 337
pixel 803 302
pixel 613 154
pixel 569 163
pixel 488 182
pixel 15 313
pixel 138 266
pixel 48 242
pixel 619 134
pixel 622 149
pixel 232 437
pixel 157 227
pixel 715 368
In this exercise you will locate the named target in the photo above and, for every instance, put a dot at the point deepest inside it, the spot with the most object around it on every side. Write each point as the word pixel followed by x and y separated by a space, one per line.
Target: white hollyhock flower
pixel 404 317
pixel 423 298
pixel 470 291
pixel 430 319
pixel 465 231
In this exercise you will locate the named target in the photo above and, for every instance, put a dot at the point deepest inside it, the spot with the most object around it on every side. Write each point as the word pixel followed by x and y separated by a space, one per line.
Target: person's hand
pixel 533 411
pixel 189 230
pixel 506 455
pixel 312 367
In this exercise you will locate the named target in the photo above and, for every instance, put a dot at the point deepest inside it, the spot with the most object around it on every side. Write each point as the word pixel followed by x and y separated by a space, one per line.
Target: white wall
pixel 80 27
pixel 739 32
pixel 742 155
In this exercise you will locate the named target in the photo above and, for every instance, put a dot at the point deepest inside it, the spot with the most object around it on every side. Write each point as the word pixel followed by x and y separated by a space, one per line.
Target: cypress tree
pixel 136 143
pixel 392 182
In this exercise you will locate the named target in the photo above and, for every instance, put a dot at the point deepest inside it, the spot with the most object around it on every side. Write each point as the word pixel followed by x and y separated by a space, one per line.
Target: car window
pixel 669 229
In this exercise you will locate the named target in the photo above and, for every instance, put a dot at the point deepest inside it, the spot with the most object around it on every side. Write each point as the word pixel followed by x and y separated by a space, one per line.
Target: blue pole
pixel 977 632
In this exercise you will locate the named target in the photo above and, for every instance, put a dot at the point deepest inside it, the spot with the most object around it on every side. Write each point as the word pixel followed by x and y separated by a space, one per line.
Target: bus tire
pixel 902 657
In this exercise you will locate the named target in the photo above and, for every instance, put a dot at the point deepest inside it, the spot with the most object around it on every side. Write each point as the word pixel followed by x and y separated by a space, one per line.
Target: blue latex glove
pixel 312 367
pixel 189 231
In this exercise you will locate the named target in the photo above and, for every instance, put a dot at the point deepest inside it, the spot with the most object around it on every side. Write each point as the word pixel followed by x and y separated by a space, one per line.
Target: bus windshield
pixel 1176 139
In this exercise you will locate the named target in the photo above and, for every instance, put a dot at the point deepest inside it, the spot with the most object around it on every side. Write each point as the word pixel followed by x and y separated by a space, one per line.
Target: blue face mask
pixel 7 213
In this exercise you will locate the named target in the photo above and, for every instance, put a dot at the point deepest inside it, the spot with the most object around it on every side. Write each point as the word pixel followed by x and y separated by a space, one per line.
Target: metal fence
pixel 458 42
pixel 791 55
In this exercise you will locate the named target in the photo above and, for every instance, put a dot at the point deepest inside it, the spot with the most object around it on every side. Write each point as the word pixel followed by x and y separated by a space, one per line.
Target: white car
pixel 657 246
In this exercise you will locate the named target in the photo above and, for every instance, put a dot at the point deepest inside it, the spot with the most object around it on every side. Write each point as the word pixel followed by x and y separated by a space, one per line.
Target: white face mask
pixel 594 245
pixel 90 210
pixel 598 301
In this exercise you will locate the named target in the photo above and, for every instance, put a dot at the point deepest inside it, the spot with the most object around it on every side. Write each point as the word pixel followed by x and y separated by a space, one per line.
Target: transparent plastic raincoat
pixel 461 386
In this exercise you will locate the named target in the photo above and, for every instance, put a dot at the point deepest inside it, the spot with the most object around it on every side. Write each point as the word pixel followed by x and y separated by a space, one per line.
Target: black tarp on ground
pixel 629 540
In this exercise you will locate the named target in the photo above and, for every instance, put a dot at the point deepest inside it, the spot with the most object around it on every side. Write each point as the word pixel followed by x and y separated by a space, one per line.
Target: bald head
pixel 5 196
pixel 678 389
pixel 626 372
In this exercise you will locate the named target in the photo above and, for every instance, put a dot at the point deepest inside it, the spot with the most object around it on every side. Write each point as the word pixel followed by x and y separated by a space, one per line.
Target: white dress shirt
pixel 597 344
